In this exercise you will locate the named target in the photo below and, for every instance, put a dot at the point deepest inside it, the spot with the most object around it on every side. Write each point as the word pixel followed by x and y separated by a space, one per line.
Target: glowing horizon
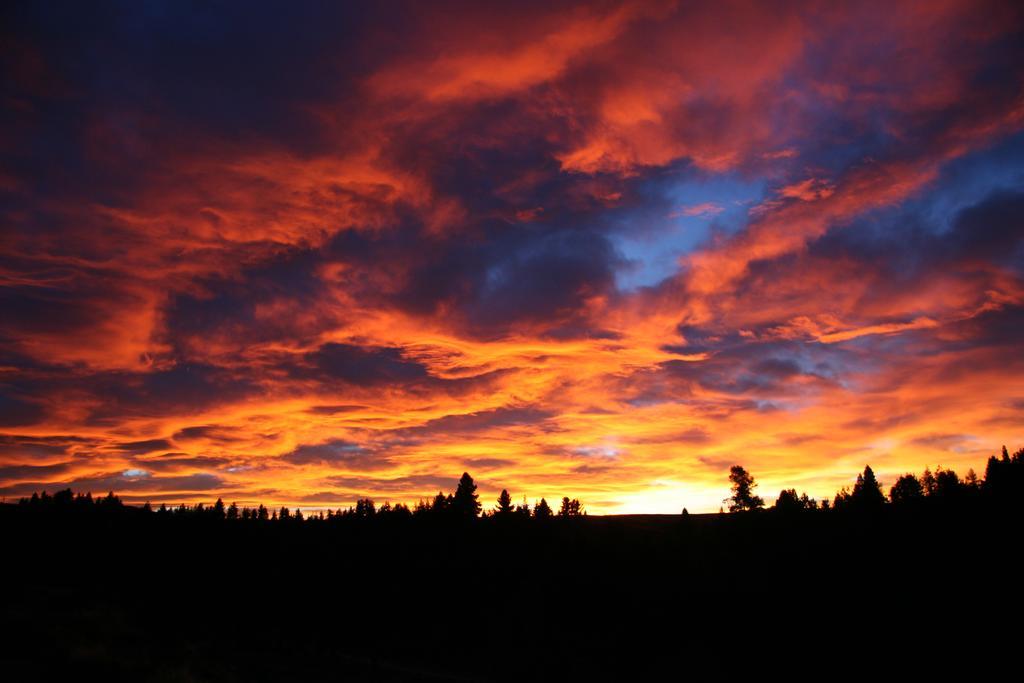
pixel 604 251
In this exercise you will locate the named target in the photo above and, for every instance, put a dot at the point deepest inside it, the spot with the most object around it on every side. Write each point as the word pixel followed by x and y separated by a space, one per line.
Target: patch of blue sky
pixel 968 180
pixel 697 208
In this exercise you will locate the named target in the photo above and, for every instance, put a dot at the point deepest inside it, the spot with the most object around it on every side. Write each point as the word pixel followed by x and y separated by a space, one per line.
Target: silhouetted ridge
pixel 99 590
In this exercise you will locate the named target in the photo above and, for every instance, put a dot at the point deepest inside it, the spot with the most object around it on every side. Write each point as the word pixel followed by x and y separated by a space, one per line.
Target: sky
pixel 301 253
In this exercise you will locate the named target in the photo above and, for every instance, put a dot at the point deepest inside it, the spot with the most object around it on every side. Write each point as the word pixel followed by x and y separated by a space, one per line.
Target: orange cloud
pixel 542 53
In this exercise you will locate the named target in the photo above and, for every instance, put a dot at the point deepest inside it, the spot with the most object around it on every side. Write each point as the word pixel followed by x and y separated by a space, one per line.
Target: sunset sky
pixel 301 253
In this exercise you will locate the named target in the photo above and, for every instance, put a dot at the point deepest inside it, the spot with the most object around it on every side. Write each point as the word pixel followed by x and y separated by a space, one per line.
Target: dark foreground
pixel 138 597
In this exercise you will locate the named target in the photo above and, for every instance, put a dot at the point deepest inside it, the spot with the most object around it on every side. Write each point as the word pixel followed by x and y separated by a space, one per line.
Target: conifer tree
pixel 867 493
pixel 504 506
pixel 466 502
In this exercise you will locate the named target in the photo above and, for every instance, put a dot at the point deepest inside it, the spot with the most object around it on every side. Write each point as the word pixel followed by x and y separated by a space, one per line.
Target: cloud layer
pixel 303 256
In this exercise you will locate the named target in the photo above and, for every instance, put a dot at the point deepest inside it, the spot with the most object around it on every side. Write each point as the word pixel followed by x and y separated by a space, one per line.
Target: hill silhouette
pixel 99 590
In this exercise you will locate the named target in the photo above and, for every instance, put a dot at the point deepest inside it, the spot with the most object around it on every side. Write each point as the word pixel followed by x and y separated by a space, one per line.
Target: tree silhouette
pixel 743 498
pixel 571 508
pixel 365 508
pixel 465 502
pixel 947 484
pixel 110 502
pixel 907 489
pixel 504 506
pixel 866 492
pixel 928 482
pixel 542 510
pixel 1004 476
pixel 789 501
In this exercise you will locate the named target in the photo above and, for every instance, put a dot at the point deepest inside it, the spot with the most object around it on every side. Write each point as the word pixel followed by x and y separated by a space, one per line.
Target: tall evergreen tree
pixel 867 493
pixel 504 506
pixel 466 502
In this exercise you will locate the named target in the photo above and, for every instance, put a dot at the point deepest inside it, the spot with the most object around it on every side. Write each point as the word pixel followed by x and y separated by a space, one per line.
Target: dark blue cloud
pixel 147 446
pixel 337 453
pixel 425 482
pixel 42 447
pixel 10 473
pixel 191 483
pixel 17 412
pixel 182 389
pixel 364 366
pixel 216 433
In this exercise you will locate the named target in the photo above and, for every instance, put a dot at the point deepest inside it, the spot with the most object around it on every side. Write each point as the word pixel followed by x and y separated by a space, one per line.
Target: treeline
pixel 1003 480
pixel 463 503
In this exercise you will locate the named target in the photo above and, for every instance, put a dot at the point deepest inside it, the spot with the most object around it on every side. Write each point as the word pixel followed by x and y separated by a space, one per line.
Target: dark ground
pixel 135 597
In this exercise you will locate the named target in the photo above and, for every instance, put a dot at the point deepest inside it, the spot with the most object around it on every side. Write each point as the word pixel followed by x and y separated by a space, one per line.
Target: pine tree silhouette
pixel 465 502
pixel 867 493
pixel 504 506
